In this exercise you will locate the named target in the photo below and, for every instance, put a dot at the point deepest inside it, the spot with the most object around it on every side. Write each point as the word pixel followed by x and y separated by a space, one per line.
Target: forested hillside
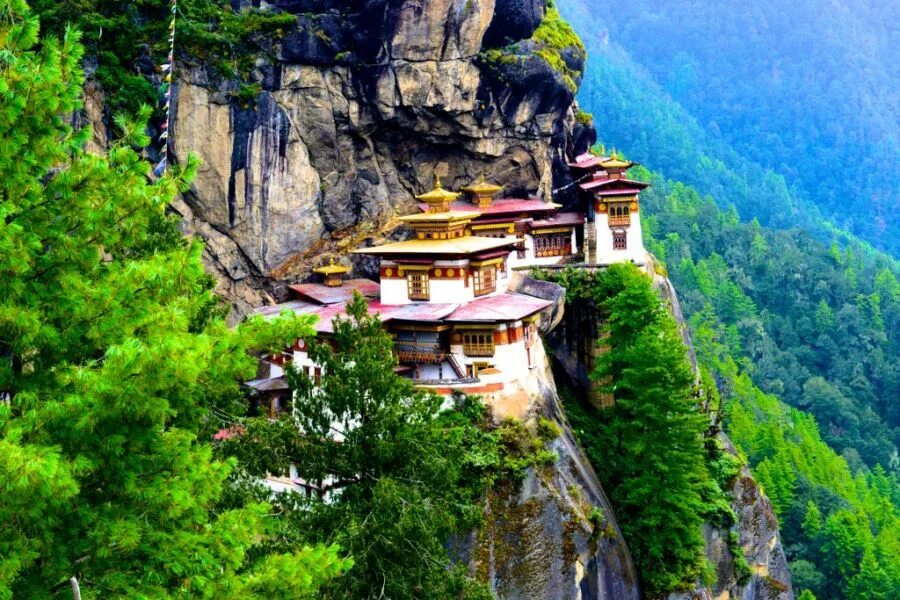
pixel 755 103
pixel 817 328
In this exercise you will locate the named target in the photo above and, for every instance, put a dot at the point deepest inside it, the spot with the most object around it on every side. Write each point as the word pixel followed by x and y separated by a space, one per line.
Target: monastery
pixel 444 294
pixel 612 207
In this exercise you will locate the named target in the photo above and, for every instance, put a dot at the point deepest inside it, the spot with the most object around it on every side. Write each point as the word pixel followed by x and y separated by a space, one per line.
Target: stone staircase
pixel 590 243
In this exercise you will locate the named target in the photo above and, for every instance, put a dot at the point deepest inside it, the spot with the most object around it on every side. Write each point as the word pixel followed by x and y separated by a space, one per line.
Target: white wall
pixel 634 250
pixel 441 291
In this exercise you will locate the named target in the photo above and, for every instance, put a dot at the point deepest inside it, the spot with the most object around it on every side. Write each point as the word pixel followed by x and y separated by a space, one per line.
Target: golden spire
pixel 332 273
pixel 482 192
pixel 438 199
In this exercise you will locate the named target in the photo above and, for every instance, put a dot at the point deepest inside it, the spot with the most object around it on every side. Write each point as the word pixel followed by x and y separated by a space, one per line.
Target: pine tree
pixel 109 351
pixel 648 447
pixel 871 582
pixel 396 476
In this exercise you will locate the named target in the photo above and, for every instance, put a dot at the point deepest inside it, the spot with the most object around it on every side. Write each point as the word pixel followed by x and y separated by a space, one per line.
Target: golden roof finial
pixel 438 196
pixel 331 268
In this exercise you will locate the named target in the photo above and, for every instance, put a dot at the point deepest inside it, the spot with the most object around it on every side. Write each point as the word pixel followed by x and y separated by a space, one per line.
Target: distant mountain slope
pixel 811 94
pixel 777 316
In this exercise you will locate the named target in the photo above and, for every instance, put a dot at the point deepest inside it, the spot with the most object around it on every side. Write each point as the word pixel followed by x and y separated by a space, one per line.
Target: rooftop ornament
pixel 332 273
pixel 482 192
pixel 438 199
pixel 616 161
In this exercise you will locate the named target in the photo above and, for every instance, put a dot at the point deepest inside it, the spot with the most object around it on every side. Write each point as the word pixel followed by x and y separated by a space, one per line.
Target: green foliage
pixel 122 34
pixel 584 118
pixel 397 476
pixel 555 37
pixel 657 489
pixel 109 357
pixel 831 346
pixel 756 104
pixel 554 42
pixel 808 345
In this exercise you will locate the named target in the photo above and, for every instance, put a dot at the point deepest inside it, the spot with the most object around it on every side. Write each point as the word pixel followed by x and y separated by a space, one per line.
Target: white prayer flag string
pixel 166 89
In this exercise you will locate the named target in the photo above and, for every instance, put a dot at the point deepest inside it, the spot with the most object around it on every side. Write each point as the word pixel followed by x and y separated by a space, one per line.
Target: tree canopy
pixel 395 476
pixel 111 350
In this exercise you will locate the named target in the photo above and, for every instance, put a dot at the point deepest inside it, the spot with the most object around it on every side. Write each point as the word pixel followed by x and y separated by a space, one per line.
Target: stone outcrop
pixel 359 105
pixel 554 536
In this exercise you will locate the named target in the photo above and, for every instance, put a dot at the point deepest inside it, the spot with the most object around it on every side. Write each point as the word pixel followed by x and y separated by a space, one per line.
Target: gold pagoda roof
pixel 438 194
pixel 615 161
pixel 483 187
pixel 462 245
pixel 448 217
pixel 332 269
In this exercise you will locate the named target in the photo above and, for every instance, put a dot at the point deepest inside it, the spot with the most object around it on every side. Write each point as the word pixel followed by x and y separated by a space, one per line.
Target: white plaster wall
pixel 634 250
pixel 450 291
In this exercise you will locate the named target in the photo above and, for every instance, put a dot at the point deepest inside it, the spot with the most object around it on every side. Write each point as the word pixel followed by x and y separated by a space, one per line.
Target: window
pixel 478 343
pixel 619 214
pixel 417 285
pixel 553 244
pixel 485 280
pixel 619 240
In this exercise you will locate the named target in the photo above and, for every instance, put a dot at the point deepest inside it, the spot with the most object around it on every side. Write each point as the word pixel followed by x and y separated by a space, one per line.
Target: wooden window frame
pixel 481 285
pixel 620 240
pixel 418 285
pixel 478 343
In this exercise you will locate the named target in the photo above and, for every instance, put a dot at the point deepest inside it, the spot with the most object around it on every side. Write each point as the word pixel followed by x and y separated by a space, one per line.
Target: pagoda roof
pixel 597 183
pixel 423 312
pixel 503 307
pixel 587 161
pixel 272 384
pixel 463 245
pixel 450 216
pixel 323 294
pixel 503 206
pixel 482 187
pixel 438 195
pixel 508 306
pixel 564 219
pixel 618 192
pixel 331 268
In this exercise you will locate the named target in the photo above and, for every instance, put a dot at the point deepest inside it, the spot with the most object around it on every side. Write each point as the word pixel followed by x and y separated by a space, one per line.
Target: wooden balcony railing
pixel 619 220
pixel 478 349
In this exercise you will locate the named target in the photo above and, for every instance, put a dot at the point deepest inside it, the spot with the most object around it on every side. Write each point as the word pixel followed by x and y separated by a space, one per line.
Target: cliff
pixel 755 532
pixel 354 111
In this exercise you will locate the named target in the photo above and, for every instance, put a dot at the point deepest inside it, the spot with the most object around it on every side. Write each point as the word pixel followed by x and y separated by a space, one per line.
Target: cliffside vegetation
pixel 396 478
pixel 650 448
pixel 818 327
pixel 128 40
pixel 111 355
pixel 554 41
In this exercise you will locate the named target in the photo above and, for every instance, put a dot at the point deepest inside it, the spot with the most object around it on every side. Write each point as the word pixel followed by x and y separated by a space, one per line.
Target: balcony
pixel 419 352
pixel 619 220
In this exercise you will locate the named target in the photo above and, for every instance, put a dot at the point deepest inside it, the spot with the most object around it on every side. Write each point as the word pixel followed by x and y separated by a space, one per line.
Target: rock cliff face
pixel 359 106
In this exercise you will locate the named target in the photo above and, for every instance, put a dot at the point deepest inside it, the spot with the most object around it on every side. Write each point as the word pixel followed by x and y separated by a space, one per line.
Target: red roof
pixel 622 192
pixel 416 311
pixel 587 160
pixel 502 307
pixel 503 206
pixel 596 183
pixel 298 306
pixel 559 220
pixel 323 294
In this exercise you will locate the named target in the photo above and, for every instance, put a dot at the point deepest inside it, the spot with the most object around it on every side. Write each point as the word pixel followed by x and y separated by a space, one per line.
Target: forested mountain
pixel 814 326
pixel 818 326
pixel 729 96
